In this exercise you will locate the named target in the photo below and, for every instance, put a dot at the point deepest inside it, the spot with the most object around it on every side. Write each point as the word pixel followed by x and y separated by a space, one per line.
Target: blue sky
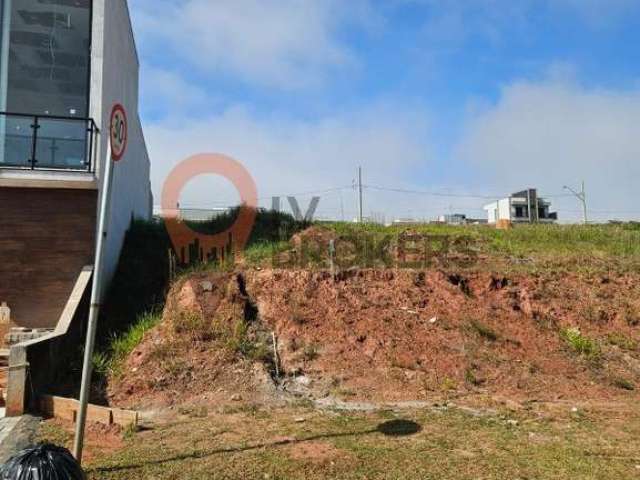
pixel 466 97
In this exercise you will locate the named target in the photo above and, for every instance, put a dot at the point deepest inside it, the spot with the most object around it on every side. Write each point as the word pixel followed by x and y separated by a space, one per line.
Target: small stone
pixel 303 380
pixel 433 320
pixel 236 398
pixel 206 286
pixel 574 410
pixel 300 420
pixel 513 423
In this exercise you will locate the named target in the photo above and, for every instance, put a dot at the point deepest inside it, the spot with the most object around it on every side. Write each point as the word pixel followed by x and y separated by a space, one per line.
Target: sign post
pixel 117 145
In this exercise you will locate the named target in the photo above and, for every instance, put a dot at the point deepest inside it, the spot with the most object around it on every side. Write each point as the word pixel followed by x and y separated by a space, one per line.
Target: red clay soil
pixel 401 335
pixel 183 360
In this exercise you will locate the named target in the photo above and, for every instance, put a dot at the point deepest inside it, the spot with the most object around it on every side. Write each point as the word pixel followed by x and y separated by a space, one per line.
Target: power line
pixel 433 194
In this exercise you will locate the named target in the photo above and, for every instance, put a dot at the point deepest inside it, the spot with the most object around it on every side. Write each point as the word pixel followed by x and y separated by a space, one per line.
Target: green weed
pixel 193 324
pixel 581 344
pixel 622 341
pixel 623 384
pixel 109 361
pixel 311 352
pixel 484 331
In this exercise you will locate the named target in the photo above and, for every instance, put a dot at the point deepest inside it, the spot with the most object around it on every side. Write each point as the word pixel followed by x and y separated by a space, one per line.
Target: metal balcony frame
pixel 32 163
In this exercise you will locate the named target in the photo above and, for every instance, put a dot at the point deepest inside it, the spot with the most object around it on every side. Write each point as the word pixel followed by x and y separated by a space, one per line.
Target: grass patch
pixel 484 331
pixel 311 352
pixel 265 252
pixel 623 384
pixel 581 344
pixel 451 444
pixel 622 341
pixel 471 378
pixel 193 324
pixel 110 360
pixel 525 247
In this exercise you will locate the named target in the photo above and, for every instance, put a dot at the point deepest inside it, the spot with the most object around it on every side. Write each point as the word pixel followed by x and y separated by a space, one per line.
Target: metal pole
pixel 94 310
pixel 584 204
pixel 582 196
pixel 360 216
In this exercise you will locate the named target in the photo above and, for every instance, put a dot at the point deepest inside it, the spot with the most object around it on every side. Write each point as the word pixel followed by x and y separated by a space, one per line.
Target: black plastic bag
pixel 44 462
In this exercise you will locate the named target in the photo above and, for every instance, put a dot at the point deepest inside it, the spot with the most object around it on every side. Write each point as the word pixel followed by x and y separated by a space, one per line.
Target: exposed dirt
pixel 100 440
pixel 390 336
pixel 187 359
pixel 315 452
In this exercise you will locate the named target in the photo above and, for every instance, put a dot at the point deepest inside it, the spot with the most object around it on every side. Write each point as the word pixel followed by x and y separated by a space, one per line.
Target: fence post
pixel 17 382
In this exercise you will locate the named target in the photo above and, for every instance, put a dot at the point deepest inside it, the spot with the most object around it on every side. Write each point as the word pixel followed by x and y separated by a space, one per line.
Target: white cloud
pixel 290 156
pixel 557 133
pixel 166 92
pixel 283 43
pixel 452 24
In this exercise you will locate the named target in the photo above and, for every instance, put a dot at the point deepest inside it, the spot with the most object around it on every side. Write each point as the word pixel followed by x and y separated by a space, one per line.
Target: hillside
pixel 391 334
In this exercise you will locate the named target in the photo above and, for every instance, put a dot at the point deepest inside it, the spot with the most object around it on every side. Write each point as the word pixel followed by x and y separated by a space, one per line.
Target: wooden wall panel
pixel 46 237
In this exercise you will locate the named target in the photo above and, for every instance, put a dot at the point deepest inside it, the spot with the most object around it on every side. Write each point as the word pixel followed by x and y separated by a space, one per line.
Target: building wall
pixel 114 79
pixel 46 238
pixel 504 209
pixel 491 212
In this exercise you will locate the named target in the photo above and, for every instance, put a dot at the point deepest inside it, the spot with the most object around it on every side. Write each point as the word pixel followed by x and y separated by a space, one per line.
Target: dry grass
pixel 548 442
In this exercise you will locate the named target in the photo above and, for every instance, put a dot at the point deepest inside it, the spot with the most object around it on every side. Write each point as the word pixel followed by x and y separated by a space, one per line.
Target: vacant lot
pixel 532 333
pixel 533 441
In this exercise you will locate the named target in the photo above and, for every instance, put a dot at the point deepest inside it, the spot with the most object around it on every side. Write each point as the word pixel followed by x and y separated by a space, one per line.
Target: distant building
pixel 453 219
pixel 405 222
pixel 191 214
pixel 521 207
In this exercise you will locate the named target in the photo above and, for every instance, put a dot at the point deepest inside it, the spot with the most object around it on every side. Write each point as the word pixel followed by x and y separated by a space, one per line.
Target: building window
pixel 45 57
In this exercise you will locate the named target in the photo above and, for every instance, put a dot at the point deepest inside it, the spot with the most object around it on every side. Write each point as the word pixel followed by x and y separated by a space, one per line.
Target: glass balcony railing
pixel 43 142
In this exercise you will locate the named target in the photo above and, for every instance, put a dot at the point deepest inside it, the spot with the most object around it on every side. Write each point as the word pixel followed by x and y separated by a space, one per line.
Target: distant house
pixel 405 222
pixel 453 219
pixel 522 207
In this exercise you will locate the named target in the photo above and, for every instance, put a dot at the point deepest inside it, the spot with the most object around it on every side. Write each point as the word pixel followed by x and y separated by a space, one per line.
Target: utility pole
pixel 360 216
pixel 582 196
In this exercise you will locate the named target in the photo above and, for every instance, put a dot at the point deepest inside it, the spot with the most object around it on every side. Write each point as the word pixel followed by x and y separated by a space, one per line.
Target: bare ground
pixel 389 336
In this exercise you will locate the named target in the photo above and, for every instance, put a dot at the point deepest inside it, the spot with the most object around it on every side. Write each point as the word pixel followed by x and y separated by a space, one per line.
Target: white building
pixel 521 207
pixel 453 219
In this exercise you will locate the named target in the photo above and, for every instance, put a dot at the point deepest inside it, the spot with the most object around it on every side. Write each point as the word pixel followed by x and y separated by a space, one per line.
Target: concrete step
pixel 18 334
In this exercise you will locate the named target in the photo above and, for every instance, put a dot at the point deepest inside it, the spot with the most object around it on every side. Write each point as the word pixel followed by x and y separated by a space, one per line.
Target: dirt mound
pixel 199 353
pixel 403 335
pixel 395 335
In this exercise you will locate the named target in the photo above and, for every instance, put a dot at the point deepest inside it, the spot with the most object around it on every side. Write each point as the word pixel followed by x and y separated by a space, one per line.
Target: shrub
pixel 581 344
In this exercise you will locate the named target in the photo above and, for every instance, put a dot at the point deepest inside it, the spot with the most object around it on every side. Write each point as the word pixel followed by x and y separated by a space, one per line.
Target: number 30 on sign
pixel 118 132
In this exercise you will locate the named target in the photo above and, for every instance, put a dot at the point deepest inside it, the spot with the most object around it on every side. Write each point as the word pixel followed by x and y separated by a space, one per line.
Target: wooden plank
pixel 66 409
pixel 58 407
pixel 97 414
pixel 125 418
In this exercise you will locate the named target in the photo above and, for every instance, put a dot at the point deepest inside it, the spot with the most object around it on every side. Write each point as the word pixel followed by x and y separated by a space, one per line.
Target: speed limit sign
pixel 118 132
